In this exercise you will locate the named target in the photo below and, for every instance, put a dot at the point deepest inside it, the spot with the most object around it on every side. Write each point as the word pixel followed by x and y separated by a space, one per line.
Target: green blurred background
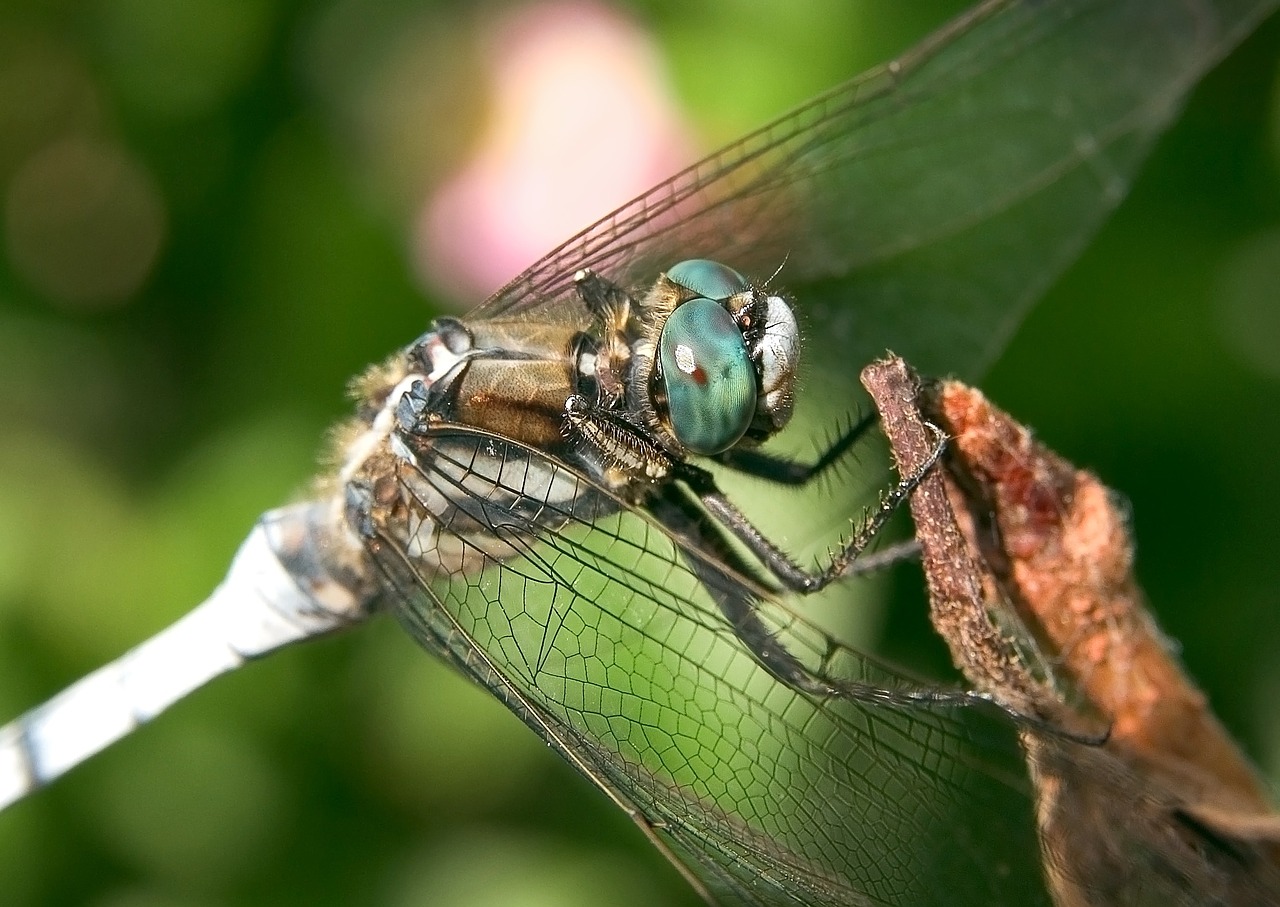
pixel 211 214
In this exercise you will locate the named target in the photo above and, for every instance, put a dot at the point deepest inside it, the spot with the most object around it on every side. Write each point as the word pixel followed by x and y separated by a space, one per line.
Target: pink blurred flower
pixel 581 122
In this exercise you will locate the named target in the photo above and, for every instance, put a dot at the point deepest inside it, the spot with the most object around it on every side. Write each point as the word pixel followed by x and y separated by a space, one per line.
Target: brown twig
pixel 1029 568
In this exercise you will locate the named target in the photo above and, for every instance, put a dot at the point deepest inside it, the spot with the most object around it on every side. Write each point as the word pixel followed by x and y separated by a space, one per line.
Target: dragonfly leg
pixel 788 472
pixel 845 561
pixel 682 511
pixel 622 446
pixel 785 471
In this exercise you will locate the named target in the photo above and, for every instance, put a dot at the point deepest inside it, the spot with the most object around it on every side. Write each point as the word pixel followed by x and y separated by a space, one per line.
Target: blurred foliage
pixel 155 400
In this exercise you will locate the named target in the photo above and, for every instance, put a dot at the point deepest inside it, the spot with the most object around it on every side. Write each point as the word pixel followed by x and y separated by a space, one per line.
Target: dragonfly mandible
pixel 597 613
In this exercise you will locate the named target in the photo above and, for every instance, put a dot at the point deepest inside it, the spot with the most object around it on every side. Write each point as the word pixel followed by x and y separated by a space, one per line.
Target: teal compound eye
pixel 707 278
pixel 710 381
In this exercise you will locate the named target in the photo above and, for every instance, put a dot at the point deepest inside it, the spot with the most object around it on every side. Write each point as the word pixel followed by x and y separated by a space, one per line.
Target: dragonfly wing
pixel 590 621
pixel 924 206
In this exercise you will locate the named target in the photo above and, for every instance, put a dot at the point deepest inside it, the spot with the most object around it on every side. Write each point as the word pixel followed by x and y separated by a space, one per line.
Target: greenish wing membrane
pixel 595 624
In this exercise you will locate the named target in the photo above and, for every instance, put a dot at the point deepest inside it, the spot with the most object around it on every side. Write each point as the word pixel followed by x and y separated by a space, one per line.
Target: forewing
pixel 923 206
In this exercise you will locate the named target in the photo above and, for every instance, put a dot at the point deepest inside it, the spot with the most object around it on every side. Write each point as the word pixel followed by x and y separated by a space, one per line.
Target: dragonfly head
pixel 726 359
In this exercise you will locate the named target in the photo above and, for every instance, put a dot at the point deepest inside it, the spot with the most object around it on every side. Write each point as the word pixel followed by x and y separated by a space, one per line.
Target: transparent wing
pixel 923 206
pixel 600 628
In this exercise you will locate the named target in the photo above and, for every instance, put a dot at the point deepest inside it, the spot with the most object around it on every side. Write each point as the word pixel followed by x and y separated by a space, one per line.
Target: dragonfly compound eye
pixel 710 381
pixel 706 278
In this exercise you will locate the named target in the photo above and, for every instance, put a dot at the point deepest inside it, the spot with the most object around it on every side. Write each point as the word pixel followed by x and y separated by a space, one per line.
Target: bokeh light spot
pixel 1248 314
pixel 582 121
pixel 84 223
pixel 45 92
pixel 479 870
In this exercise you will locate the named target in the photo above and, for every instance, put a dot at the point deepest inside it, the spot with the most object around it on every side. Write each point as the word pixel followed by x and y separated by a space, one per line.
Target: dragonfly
pixel 515 488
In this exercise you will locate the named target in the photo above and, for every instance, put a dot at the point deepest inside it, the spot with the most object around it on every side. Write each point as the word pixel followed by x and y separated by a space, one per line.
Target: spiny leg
pixel 623 445
pixel 681 511
pixel 844 563
pixel 785 471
